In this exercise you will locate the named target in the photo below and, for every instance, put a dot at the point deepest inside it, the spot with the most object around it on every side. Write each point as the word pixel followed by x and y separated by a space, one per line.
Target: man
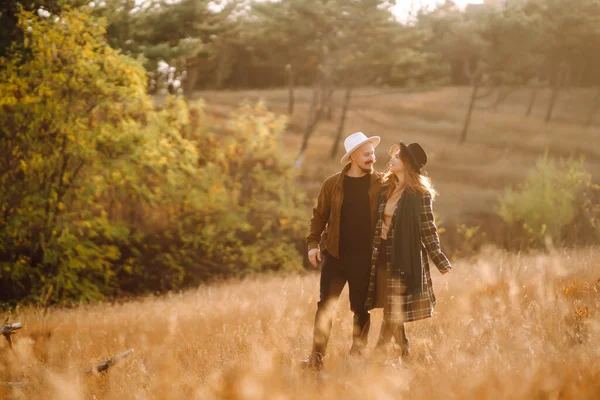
pixel 343 221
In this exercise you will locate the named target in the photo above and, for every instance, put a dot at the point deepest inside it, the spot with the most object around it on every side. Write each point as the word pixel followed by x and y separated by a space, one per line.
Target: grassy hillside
pixel 506 326
pixel 502 144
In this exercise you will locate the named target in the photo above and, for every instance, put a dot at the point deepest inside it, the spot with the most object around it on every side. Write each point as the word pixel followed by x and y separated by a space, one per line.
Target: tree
pixel 572 33
pixel 335 43
pixel 79 143
pixel 519 44
pixel 187 35
pixel 10 35
pixel 101 193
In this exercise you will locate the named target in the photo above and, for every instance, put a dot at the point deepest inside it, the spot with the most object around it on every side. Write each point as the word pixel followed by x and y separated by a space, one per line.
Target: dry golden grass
pixel 506 326
pixel 501 147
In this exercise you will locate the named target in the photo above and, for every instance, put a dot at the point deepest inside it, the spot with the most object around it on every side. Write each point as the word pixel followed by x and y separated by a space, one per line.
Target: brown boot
pixel 314 362
pixel 356 349
pixel 401 346
pixel 405 353
pixel 385 336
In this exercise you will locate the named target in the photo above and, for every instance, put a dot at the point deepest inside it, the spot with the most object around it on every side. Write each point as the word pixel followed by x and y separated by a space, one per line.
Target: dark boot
pixel 360 333
pixel 322 330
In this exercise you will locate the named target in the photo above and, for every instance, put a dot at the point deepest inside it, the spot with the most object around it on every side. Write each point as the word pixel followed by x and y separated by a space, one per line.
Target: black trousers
pixel 351 268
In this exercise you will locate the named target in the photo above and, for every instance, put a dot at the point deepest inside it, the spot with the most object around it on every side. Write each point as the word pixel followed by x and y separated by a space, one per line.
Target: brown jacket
pixel 327 212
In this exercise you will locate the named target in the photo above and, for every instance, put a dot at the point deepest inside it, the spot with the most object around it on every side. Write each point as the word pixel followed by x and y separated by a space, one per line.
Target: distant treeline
pixel 194 44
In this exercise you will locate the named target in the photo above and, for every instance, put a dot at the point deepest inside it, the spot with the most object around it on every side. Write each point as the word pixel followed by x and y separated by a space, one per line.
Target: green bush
pixel 101 193
pixel 241 213
pixel 555 202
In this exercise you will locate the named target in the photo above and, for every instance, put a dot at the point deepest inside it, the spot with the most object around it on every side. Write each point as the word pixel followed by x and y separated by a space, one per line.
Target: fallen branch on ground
pixel 96 369
pixel 7 330
pixel 105 365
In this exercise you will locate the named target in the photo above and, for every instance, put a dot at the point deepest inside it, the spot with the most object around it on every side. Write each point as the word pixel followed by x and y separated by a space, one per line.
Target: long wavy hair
pixel 414 181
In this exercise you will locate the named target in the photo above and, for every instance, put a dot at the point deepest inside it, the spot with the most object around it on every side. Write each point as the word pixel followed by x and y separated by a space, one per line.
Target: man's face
pixel 364 157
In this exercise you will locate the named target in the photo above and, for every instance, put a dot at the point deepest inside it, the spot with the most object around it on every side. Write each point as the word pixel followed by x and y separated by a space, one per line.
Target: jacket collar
pixel 340 180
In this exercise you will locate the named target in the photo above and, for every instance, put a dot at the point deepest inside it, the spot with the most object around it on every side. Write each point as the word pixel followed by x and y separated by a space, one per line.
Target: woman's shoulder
pixel 426 198
pixel 426 195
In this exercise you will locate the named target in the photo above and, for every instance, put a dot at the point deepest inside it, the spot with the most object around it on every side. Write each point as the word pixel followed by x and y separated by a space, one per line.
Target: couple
pixel 376 231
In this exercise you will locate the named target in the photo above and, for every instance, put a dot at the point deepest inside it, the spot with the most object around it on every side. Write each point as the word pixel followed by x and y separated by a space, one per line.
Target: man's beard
pixel 367 170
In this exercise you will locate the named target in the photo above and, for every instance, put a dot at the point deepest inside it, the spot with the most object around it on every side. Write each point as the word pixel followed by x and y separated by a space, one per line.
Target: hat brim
pixel 373 139
pixel 411 157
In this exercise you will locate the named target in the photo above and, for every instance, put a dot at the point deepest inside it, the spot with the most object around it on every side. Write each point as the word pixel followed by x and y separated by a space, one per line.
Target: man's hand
pixel 313 255
pixel 444 272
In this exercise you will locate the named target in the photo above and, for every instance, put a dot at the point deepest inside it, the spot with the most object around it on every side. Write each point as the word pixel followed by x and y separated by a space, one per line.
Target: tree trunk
pixel 465 129
pixel 329 114
pixel 325 99
pixel 329 100
pixel 340 130
pixel 309 124
pixel 313 118
pixel 553 98
pixel 594 109
pixel 189 83
pixel 499 98
pixel 558 83
pixel 531 101
pixel 581 74
pixel 290 75
pixel 467 71
pixel 567 78
pixel 221 58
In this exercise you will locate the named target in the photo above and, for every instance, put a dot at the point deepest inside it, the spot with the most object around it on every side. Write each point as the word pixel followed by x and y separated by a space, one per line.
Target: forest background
pixel 150 146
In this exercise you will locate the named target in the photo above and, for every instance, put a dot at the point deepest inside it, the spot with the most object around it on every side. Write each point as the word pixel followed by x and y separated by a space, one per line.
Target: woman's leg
pixel 402 340
pixel 381 299
pixel 385 334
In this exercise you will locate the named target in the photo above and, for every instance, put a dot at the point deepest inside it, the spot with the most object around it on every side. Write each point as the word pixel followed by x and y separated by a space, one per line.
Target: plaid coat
pixel 400 306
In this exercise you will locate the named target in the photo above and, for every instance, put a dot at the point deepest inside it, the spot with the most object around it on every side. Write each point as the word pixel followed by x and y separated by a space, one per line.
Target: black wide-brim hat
pixel 415 154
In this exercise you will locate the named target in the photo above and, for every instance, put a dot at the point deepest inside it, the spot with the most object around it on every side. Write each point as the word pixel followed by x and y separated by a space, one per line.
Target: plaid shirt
pixel 400 306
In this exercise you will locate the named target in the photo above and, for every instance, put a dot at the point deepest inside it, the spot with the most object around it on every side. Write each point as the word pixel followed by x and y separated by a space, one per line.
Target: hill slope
pixel 502 144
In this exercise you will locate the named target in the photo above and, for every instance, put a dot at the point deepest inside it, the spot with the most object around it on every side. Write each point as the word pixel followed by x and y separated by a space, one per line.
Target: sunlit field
pixel 506 326
pixel 154 196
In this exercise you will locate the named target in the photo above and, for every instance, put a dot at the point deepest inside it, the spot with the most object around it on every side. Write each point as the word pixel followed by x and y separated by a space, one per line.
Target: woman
pixel 405 234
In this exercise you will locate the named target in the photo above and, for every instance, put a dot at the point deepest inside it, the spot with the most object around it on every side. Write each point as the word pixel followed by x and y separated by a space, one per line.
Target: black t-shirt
pixel 355 224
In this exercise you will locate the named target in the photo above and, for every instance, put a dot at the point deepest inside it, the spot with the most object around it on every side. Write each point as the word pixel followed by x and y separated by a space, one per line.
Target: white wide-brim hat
pixel 356 140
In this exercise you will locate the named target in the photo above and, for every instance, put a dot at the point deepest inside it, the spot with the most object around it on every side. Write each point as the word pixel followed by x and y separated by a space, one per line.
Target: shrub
pixel 101 193
pixel 553 202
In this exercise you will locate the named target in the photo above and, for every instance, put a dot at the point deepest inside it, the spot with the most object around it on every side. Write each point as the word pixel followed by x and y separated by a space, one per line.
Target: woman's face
pixel 396 163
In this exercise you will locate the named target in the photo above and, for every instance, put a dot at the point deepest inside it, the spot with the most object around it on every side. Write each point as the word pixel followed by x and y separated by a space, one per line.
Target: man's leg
pixel 331 285
pixel 358 272
pixel 360 332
